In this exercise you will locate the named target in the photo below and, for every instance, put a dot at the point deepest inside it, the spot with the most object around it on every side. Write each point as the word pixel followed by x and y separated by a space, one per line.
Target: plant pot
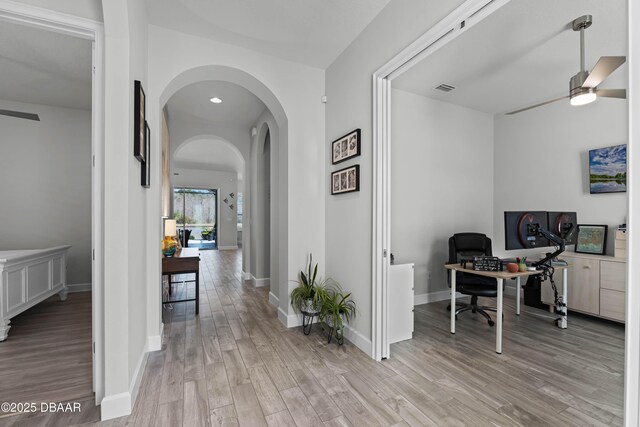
pixel 309 307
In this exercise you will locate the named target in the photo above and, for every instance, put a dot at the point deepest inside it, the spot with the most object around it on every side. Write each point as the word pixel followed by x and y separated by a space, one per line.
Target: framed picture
pixel 346 180
pixel 139 123
pixel 608 170
pixel 592 239
pixel 145 178
pixel 345 147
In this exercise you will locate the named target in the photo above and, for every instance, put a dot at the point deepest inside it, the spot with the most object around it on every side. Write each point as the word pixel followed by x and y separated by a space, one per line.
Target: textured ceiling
pixel 522 54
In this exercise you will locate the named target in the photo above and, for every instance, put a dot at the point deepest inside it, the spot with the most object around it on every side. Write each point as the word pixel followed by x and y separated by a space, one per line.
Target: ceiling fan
pixel 20 115
pixel 583 87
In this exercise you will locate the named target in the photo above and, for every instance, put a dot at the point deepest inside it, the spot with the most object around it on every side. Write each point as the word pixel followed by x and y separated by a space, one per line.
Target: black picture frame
pixel 592 239
pixel 145 168
pixel 346 147
pixel 345 180
pixel 139 122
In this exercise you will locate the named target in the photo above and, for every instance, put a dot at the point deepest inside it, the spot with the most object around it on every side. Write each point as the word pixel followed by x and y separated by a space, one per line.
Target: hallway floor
pixel 236 364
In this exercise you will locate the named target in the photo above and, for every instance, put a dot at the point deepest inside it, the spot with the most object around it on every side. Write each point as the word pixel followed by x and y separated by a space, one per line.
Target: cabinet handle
pixel 586 266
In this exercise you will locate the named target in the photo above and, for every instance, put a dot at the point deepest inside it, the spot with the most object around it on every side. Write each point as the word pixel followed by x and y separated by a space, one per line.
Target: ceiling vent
pixel 443 87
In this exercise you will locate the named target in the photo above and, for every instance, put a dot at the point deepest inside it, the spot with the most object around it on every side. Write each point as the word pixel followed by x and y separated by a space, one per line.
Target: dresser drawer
pixel 613 275
pixel 612 304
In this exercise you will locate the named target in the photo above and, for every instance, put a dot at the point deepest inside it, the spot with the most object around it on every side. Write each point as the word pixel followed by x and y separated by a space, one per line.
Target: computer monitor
pixel 520 229
pixel 565 225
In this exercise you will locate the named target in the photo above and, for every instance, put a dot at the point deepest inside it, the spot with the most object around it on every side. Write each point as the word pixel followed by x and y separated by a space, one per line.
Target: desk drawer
pixel 179 265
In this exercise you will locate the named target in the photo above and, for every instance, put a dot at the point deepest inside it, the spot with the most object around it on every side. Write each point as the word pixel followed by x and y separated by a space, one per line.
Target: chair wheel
pixel 491 322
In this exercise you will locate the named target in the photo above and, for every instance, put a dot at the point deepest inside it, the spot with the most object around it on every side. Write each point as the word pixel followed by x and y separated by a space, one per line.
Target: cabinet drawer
pixel 612 304
pixel 613 275
pixel 584 285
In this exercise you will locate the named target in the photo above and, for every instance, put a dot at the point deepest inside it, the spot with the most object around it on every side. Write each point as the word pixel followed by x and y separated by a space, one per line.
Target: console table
pixel 184 261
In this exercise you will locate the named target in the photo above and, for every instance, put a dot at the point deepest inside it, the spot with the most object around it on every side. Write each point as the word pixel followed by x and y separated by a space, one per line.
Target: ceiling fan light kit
pixel 583 86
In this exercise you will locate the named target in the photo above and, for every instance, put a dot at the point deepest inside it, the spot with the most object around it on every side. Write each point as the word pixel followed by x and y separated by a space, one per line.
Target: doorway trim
pixel 456 23
pixel 94 31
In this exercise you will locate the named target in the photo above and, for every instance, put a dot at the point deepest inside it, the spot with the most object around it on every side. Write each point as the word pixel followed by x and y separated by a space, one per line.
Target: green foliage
pixel 180 218
pixel 309 287
pixel 336 308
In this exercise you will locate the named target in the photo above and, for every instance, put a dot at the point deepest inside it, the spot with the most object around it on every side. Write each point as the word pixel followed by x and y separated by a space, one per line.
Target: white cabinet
pixel 400 297
pixel 596 285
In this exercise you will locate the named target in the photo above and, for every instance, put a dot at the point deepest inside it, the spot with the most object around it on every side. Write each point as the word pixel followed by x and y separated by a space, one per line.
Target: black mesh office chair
pixel 465 245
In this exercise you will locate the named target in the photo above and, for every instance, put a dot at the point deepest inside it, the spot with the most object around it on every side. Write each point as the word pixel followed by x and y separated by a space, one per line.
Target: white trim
pixel 91 30
pixel 227 248
pixel 291 320
pixel 79 287
pixel 359 340
pixel 274 300
pixel 470 13
pixel 427 298
pixel 121 404
pixel 246 276
pixel 154 342
pixel 632 321
pixel 260 283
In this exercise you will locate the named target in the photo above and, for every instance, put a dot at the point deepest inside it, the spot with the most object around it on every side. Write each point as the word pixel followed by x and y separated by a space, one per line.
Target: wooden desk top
pixel 186 259
pixel 187 253
pixel 494 274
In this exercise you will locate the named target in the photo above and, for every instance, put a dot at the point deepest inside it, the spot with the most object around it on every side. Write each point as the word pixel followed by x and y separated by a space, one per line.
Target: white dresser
pixel 400 297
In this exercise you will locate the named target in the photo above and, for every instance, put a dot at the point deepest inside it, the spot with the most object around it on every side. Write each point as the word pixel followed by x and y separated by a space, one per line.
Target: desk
pixel 185 261
pixel 500 276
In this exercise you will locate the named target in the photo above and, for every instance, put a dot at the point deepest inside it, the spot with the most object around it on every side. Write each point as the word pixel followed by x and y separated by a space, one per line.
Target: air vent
pixel 444 87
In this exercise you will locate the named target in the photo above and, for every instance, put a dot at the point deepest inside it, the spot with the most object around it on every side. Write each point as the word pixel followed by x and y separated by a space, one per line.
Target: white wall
pixel 226 183
pixel 542 163
pixel 441 182
pixel 46 170
pixel 90 9
pixel 349 106
pixel 293 94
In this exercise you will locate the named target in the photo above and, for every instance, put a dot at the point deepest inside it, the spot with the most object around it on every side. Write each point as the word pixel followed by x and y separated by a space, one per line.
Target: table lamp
pixel 169 243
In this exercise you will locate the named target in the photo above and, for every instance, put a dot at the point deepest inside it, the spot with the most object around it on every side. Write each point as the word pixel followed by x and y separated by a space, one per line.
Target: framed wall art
pixel 592 239
pixel 608 169
pixel 145 175
pixel 139 123
pixel 346 180
pixel 345 147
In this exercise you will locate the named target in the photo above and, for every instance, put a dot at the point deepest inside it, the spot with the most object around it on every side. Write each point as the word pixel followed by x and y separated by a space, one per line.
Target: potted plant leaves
pixel 308 297
pixel 336 309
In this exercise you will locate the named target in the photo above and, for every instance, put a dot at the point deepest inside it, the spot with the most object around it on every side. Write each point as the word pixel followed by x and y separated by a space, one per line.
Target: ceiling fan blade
pixel 20 115
pixel 535 106
pixel 605 66
pixel 612 93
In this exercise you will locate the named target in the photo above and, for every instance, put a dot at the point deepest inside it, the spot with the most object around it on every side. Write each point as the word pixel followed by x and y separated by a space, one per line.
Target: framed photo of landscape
pixel 345 147
pixel 608 169
pixel 592 239
pixel 346 180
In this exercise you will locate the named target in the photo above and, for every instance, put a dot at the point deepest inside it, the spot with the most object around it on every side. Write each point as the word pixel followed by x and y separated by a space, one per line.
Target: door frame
pixel 456 23
pixel 94 31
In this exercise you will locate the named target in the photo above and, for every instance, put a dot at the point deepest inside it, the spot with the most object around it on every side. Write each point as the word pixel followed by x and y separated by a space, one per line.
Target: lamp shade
pixel 169 227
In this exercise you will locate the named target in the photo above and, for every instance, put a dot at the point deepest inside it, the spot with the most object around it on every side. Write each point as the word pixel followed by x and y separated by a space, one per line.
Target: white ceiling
pixel 522 54
pixel 312 32
pixel 239 106
pixel 43 67
pixel 209 154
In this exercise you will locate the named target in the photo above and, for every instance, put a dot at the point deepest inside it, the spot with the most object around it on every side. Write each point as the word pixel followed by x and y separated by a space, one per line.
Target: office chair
pixel 464 245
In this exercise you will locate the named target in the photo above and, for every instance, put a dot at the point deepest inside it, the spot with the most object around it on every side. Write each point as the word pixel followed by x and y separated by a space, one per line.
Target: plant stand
pixel 339 336
pixel 307 321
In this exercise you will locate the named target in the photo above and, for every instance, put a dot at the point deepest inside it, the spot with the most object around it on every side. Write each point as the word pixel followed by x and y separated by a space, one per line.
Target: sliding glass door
pixel 195 211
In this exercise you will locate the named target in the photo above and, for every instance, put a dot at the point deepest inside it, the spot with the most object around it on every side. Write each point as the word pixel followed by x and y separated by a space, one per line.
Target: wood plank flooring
pixel 236 364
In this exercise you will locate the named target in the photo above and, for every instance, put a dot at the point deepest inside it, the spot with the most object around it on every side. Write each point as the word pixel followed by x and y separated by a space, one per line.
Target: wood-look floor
pixel 236 364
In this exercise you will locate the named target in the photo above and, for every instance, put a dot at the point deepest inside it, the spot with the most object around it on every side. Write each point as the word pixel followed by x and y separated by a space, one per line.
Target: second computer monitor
pixel 565 225
pixel 520 229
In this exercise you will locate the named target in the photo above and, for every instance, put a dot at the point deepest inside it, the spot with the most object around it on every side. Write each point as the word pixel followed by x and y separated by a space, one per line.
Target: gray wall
pixel 541 159
pixel 441 181
pixel 45 171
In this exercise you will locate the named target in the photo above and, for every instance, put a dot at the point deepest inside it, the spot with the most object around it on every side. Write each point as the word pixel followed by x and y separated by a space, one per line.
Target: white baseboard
pixel 79 287
pixel 260 283
pixel 154 342
pixel 274 300
pixel 227 248
pixel 359 340
pixel 291 320
pixel 115 406
pixel 433 297
pixel 246 276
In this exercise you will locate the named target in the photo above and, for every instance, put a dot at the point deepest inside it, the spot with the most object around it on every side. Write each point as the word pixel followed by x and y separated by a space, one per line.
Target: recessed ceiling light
pixel 216 100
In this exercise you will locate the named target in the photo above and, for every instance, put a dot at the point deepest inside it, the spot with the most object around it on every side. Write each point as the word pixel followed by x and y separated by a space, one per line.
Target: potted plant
pixel 308 296
pixel 336 309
